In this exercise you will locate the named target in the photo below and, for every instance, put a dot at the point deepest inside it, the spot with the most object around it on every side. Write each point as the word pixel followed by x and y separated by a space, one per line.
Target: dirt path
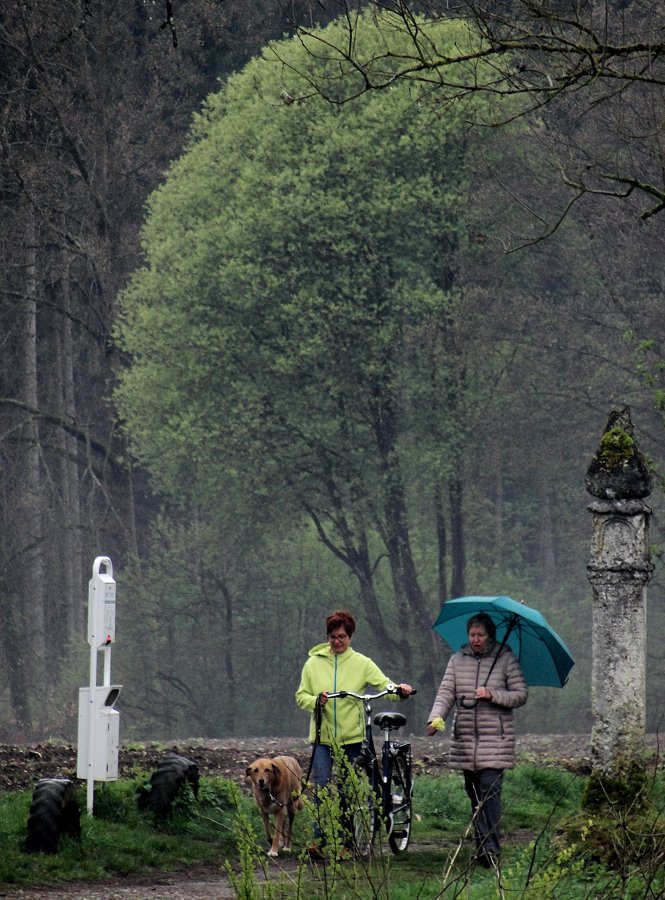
pixel 191 885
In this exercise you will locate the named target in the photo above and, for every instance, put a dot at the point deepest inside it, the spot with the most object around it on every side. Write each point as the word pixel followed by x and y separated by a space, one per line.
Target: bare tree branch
pixel 603 63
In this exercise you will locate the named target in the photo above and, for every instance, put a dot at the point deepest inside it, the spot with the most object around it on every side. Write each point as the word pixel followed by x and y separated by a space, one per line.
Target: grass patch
pixel 118 840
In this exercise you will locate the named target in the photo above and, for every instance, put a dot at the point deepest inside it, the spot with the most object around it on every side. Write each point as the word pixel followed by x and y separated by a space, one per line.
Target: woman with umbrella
pixel 483 682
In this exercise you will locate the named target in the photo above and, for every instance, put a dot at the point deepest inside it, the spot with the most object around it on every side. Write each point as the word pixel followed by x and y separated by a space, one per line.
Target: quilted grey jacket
pixel 483 737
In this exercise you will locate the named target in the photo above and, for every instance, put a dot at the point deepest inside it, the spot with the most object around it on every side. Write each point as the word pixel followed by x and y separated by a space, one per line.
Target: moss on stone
pixel 616 449
pixel 618 837
pixel 628 792
pixel 619 825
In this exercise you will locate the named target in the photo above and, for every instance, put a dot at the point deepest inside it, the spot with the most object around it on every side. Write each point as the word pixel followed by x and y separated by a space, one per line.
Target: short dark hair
pixel 341 618
pixel 486 621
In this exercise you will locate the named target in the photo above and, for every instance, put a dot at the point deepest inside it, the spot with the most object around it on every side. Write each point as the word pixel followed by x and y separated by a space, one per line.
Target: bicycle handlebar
pixel 389 689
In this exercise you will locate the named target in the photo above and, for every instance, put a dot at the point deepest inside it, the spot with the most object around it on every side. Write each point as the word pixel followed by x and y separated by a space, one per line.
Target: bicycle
pixel 390 792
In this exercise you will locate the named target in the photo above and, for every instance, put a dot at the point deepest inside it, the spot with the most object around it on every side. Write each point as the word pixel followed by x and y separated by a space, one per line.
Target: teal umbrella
pixel 543 656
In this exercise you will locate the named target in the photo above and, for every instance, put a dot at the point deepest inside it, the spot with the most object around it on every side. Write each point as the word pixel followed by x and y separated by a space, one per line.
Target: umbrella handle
pixel 465 705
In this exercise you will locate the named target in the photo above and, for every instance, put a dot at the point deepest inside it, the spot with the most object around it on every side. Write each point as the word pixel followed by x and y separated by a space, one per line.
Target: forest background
pixel 275 356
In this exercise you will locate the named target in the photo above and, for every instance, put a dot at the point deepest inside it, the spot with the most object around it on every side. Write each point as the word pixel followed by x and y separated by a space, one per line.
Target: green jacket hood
pixel 323 649
pixel 343 718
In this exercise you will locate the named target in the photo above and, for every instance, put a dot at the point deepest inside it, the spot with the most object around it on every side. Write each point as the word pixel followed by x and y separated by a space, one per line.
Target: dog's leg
pixel 277 837
pixel 289 828
pixel 266 824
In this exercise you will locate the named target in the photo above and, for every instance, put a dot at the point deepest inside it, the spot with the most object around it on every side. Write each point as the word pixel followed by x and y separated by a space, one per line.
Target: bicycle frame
pixel 380 773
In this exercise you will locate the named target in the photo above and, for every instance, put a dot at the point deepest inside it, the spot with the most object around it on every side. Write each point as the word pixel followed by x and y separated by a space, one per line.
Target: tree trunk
pixel 70 608
pixel 15 647
pixel 548 556
pixel 441 544
pixel 456 494
pixel 498 514
pixel 410 600
pixel 24 513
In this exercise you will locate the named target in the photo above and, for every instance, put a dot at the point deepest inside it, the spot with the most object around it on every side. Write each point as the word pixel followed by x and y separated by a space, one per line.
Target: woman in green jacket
pixel 335 666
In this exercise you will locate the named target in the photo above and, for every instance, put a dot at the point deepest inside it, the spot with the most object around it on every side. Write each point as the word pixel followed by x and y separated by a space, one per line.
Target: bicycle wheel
pixel 362 812
pixel 401 789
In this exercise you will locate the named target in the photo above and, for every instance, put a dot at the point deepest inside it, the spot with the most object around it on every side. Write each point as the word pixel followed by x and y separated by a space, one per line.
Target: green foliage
pixel 251 861
pixel 441 802
pixel 620 822
pixel 309 337
pixel 282 287
pixel 115 801
pixel 545 876
pixel 532 792
pixel 628 791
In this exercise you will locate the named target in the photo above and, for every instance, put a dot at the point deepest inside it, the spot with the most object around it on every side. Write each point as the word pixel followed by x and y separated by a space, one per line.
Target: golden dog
pixel 277 786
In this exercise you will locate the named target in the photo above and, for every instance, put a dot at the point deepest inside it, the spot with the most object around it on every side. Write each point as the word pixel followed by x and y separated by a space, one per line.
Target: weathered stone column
pixel 619 570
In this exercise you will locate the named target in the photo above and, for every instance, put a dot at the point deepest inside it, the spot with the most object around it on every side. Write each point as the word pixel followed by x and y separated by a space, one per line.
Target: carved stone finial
pixel 618 471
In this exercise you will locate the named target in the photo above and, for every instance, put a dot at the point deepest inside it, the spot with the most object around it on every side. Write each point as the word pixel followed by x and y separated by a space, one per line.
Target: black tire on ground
pixel 54 811
pixel 401 788
pixel 165 783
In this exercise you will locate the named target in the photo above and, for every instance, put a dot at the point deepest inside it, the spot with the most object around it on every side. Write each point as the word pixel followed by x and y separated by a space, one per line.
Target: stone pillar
pixel 619 571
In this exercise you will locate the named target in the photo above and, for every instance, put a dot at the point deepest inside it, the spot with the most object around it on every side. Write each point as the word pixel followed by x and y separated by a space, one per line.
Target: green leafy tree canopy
pixel 290 253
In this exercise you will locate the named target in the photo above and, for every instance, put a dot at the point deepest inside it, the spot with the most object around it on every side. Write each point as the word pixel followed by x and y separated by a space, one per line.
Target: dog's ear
pixel 275 770
pixel 248 772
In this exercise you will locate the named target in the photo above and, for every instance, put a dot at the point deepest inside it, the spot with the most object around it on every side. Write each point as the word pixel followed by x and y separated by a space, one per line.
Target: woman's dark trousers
pixel 484 791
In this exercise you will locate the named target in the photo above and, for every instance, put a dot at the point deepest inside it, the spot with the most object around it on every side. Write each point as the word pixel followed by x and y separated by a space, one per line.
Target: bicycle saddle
pixel 384 720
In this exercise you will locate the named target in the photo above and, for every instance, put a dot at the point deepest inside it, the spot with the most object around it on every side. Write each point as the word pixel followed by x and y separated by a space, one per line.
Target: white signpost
pixel 99 722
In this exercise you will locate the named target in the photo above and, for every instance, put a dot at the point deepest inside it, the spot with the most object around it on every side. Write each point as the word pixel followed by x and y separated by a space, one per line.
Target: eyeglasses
pixel 337 637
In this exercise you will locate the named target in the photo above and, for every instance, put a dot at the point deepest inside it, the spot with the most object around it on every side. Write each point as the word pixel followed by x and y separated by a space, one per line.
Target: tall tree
pixel 284 302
